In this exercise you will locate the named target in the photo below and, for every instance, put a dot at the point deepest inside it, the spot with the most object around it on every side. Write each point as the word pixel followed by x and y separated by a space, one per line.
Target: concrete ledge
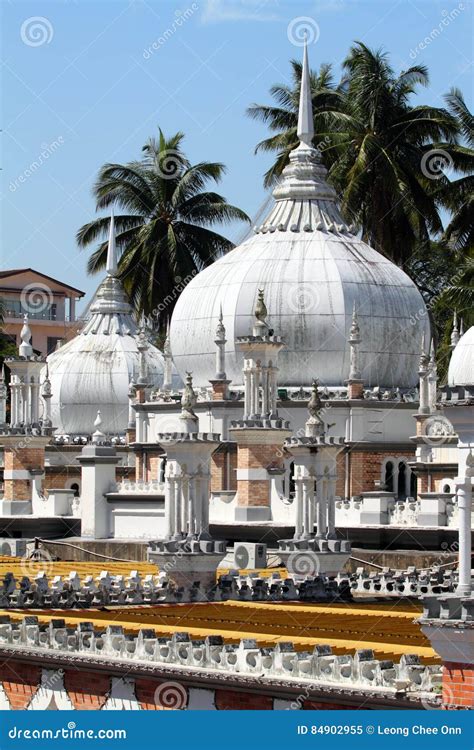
pixel 251 513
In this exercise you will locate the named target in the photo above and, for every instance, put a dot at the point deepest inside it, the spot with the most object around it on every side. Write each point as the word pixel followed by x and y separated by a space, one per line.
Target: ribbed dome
pixel 93 370
pixel 313 270
pixel 461 366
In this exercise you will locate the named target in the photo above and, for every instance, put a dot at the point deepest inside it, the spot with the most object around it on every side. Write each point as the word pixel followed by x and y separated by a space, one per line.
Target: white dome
pixel 93 371
pixel 313 270
pixel 461 366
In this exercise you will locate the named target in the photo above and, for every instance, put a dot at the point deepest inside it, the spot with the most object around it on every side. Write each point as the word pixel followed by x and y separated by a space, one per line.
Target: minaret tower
pixel 355 383
pixel 220 383
pixel 261 433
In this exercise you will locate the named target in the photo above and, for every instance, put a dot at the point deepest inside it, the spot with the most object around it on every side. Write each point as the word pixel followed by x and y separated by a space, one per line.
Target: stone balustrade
pixel 282 662
pixel 109 590
pixel 411 582
pixel 141 488
pixel 409 512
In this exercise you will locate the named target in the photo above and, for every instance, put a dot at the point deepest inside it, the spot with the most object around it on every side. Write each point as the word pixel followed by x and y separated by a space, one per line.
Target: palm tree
pixel 164 236
pixel 375 146
pixel 459 197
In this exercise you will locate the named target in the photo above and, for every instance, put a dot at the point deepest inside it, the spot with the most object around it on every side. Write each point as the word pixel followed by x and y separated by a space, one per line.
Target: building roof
pixel 16 271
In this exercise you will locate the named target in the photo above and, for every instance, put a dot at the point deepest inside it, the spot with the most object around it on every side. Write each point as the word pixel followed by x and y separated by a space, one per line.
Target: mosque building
pixel 294 410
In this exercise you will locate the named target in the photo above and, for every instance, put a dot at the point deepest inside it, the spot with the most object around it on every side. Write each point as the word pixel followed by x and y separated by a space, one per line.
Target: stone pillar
pixel 22 454
pixel 3 398
pixel 464 501
pixel 98 463
pixel 258 449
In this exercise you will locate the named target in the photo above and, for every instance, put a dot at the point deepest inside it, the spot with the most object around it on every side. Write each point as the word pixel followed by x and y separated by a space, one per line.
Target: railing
pixel 141 487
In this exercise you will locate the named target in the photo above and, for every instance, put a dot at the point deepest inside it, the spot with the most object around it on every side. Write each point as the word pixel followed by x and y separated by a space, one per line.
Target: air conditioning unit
pixel 13 547
pixel 250 555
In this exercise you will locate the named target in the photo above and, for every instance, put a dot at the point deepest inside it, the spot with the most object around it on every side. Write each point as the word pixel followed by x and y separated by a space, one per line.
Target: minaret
pixel 168 363
pixel 432 378
pixel 355 383
pixel 455 332
pixel 46 395
pixel 423 372
pixel 261 433
pixel 315 426
pixel 220 384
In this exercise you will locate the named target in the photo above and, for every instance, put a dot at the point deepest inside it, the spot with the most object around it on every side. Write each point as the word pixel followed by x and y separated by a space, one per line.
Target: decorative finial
pixel 220 330
pixel 188 402
pixel 355 329
pixel 46 389
pixel 25 349
pixel 98 436
pixel 305 129
pixel 424 355
pixel 167 344
pixel 461 327
pixel 455 331
pixel 111 267
pixel 261 311
pixel 470 464
pixel 315 424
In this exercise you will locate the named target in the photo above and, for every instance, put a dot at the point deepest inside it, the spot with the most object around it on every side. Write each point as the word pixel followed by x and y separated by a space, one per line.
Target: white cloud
pixel 221 11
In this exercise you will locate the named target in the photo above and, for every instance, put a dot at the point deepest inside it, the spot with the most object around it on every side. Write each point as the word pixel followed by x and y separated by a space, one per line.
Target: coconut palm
pixel 164 236
pixel 375 145
pixel 459 197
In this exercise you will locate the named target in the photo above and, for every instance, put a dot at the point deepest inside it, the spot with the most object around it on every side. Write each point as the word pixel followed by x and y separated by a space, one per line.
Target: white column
pixel 205 482
pixel 258 379
pixel 170 502
pixel 298 506
pixel 321 510
pixel 464 500
pixel 252 404
pixel 178 509
pixel 265 392
pixel 246 393
pixel 197 510
pixel 306 510
pixel 331 507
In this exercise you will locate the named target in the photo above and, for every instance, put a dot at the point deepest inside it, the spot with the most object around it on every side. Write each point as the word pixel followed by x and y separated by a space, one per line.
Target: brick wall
pixel 21 459
pixel 458 685
pixel 366 467
pixel 20 682
pixel 219 471
pixel 88 691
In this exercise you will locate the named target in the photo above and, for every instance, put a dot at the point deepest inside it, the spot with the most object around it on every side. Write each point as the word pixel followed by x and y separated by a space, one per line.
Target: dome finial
pixel 111 267
pixel 98 436
pixel 25 349
pixel 305 130
pixel 455 331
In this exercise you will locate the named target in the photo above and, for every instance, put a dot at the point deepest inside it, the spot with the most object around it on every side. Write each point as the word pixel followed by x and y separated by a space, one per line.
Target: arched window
pixel 291 480
pixel 402 476
pixel 162 470
pixel 75 488
pixel 388 480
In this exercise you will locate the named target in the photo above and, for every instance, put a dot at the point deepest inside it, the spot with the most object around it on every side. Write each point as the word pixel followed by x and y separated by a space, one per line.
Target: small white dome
pixel 461 366
pixel 93 371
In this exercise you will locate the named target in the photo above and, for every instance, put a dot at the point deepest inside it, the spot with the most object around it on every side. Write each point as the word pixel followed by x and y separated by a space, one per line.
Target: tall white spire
pixel 305 131
pixel 111 267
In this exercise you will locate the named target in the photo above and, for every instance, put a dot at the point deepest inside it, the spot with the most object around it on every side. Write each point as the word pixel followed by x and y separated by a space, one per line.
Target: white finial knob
pixel 25 349
pixel 98 436
pixel 305 129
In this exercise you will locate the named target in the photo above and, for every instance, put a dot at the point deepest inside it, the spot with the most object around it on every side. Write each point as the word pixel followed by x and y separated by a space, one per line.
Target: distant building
pixel 49 303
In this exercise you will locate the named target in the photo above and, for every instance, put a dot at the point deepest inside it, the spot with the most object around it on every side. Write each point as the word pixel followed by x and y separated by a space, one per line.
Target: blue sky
pixel 87 82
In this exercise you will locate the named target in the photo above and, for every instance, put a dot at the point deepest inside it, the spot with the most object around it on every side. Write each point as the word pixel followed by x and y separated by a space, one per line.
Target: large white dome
pixel 461 365
pixel 93 371
pixel 313 270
